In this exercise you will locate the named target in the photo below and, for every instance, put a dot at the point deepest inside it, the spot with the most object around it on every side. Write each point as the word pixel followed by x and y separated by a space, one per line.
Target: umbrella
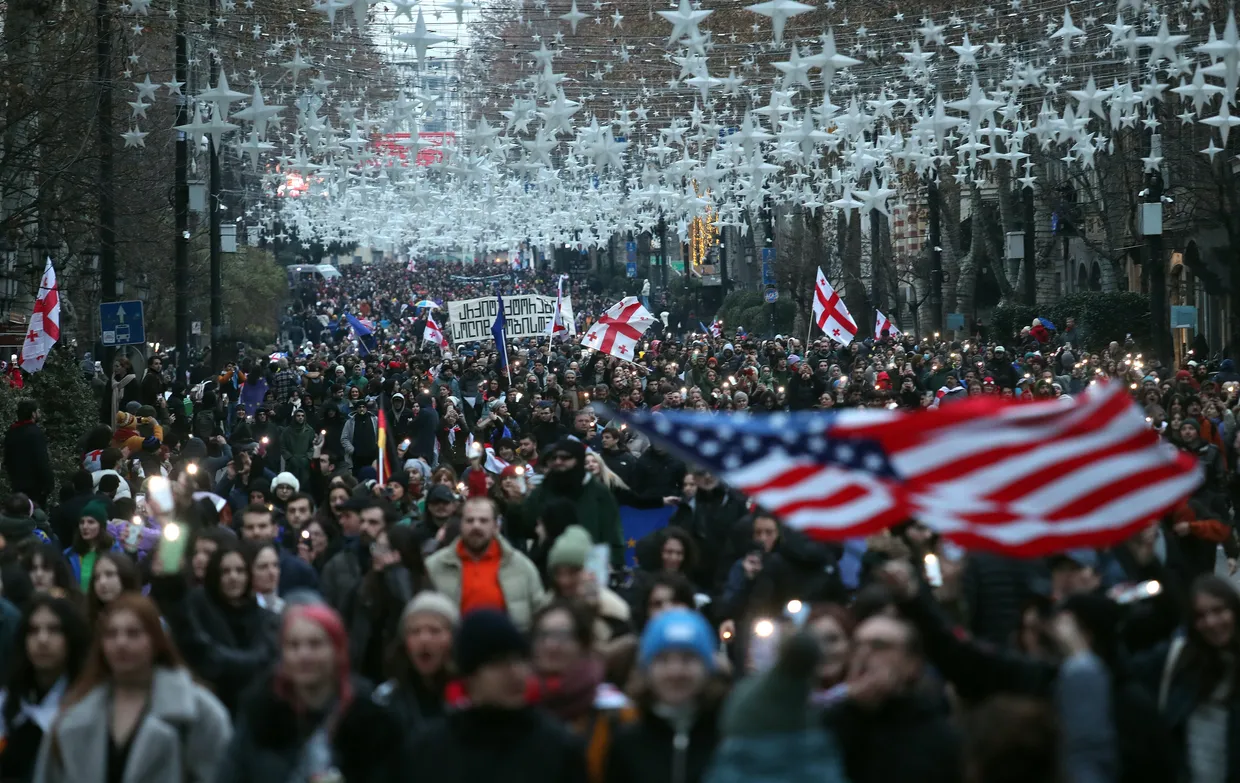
pixel 426 303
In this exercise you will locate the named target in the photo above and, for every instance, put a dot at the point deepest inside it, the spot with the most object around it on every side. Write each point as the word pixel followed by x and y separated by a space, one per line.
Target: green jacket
pixel 296 446
pixel 597 512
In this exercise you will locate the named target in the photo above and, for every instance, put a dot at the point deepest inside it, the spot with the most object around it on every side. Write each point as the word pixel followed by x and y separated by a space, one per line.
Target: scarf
pixel 572 695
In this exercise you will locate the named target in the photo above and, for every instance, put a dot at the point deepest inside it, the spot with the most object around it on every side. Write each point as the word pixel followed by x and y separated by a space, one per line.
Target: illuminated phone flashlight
pixel 172 532
pixel 264 440
pixel 764 628
pixel 520 470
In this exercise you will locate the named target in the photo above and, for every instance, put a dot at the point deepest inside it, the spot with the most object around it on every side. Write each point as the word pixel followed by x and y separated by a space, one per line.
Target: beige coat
pixel 181 738
pixel 518 579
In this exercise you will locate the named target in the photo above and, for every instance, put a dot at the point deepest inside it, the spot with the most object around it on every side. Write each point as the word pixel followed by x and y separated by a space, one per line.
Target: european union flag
pixel 637 523
pixel 497 331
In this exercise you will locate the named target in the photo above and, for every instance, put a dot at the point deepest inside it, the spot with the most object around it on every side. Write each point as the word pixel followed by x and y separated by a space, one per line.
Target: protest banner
pixel 527 315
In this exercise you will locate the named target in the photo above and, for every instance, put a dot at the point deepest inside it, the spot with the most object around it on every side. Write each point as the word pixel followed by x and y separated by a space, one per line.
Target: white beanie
pixel 287 479
pixel 430 602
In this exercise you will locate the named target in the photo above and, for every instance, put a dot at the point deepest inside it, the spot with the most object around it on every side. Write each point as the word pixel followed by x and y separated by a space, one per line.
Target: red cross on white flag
pixel 433 334
pixel 882 322
pixel 44 328
pixel 558 326
pixel 618 331
pixel 830 313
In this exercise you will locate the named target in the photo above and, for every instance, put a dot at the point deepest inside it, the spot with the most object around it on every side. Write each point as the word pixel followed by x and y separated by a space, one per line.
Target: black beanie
pixel 486 636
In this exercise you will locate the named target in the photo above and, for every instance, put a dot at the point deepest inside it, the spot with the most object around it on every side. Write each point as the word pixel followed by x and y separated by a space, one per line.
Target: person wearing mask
pixel 481 570
pixel 498 736
pixel 677 729
pixel 226 637
pixel 257 526
pixel 50 648
pixel 297 447
pixel 26 458
pixel 567 479
pixel 135 712
pixel 420 661
pixel 310 719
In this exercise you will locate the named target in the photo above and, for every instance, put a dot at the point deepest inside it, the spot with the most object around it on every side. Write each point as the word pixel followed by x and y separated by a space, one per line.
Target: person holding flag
pixel 363 332
pixel 883 324
pixel 559 328
pixel 501 344
pixel 432 334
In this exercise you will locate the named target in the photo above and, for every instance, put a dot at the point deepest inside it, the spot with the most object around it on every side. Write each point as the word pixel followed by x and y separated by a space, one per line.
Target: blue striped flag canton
pixel 740 440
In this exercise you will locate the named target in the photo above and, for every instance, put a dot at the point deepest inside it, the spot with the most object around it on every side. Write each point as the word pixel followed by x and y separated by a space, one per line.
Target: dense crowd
pixel 362 558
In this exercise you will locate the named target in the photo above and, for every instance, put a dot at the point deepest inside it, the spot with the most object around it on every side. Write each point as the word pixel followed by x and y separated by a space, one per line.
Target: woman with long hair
pixel 420 660
pixel 374 608
pixel 625 496
pixel 134 713
pixel 89 540
pixel 228 639
pixel 310 719
pixel 113 576
pixel 50 572
pixel 264 560
pixel 51 646
pixel 1196 679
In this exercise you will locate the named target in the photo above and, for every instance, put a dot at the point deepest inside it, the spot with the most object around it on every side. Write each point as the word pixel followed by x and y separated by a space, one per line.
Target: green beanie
pixel 572 548
pixel 95 509
pixel 775 701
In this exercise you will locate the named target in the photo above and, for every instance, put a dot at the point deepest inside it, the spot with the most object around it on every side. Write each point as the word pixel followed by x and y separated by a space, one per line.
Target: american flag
pixel 1022 479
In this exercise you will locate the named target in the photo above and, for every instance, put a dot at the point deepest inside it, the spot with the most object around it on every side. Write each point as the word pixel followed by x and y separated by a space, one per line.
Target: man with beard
pixel 566 479
pixel 482 571
pixel 360 437
pixel 402 417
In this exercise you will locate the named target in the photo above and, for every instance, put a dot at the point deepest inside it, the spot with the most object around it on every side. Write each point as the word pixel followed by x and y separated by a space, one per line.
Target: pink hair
pixel 325 618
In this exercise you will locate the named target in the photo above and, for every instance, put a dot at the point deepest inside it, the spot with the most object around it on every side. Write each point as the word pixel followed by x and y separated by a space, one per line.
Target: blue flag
pixel 362 332
pixel 637 523
pixel 497 331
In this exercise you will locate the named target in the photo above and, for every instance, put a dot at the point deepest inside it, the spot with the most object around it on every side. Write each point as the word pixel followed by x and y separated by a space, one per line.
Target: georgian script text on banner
pixel 528 315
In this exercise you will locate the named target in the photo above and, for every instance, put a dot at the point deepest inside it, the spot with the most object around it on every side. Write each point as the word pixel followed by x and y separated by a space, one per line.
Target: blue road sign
pixel 771 295
pixel 121 323
pixel 630 253
pixel 630 268
pixel 768 266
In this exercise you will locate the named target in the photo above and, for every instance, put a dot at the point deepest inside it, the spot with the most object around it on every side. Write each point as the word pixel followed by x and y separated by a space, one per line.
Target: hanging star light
pixel 779 11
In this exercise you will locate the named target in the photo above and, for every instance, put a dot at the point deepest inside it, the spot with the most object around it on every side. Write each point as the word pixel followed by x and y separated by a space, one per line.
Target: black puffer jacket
pixel 484 745
pixel 269 739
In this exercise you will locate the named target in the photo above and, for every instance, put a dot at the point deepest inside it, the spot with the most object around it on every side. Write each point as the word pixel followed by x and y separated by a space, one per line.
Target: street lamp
pixel 144 287
pixel 120 287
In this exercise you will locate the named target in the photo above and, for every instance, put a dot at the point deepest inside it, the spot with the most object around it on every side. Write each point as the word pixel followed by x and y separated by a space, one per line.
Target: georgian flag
pixel 558 327
pixel 44 329
pixel 882 322
pixel 432 333
pixel 619 329
pixel 830 313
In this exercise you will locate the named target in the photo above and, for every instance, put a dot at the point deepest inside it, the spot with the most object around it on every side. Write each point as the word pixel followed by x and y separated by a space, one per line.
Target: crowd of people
pixel 362 558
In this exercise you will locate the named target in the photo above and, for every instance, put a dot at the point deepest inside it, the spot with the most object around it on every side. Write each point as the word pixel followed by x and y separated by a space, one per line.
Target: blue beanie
pixel 677 629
